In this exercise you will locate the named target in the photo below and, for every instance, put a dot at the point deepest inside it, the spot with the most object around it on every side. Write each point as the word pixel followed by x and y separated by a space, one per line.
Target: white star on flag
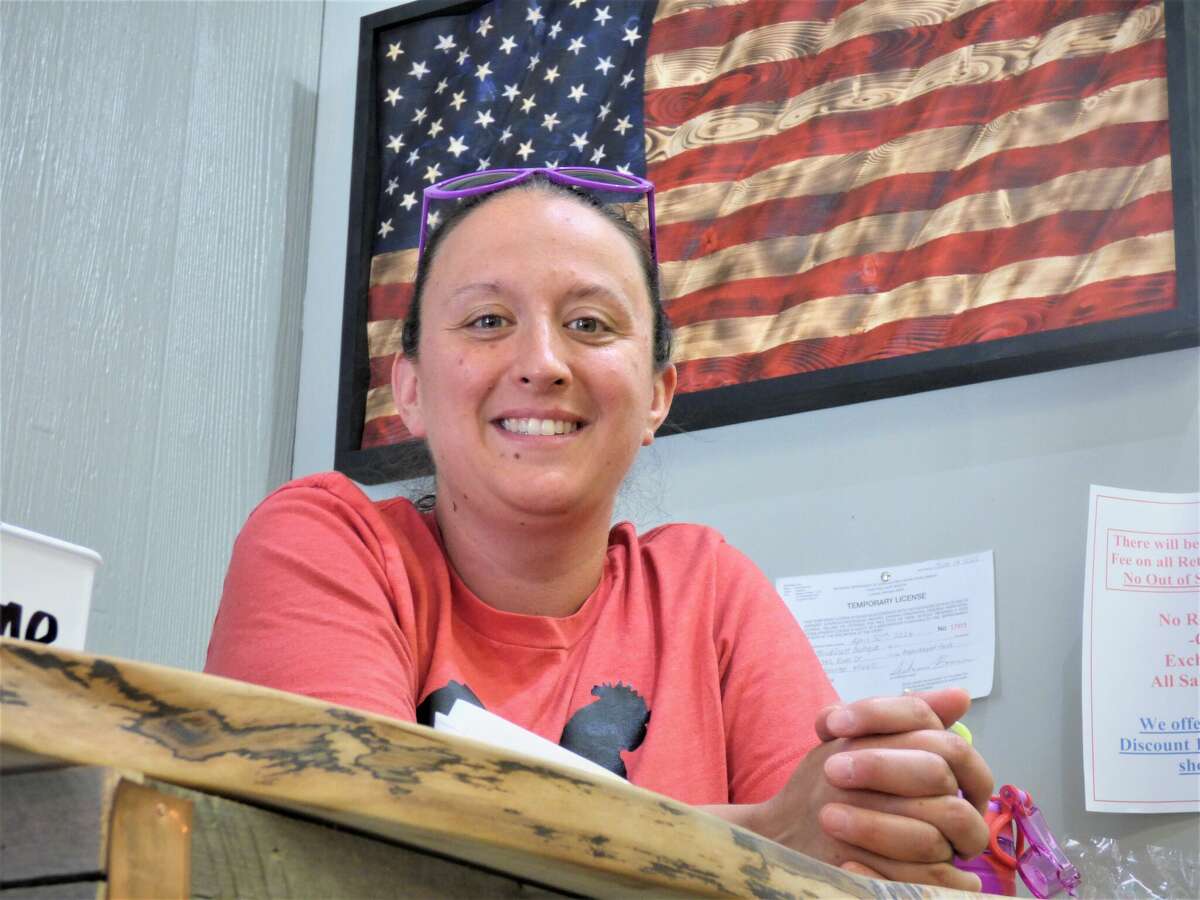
pixel 510 92
pixel 577 93
pixel 393 186
pixel 576 45
pixel 435 128
pixel 555 29
pixel 507 45
pixel 409 201
pixel 442 85
pixel 385 228
pixel 525 150
pixel 445 43
pixel 463 56
pixel 622 126
pixel 419 70
pixel 393 52
pixel 484 163
pixel 604 65
pixel 412 157
pixel 631 35
pixel 433 173
pixel 484 27
pixel 419 115
pixel 597 155
pixel 505 135
pixel 605 109
pixel 579 141
pixel 527 104
pixel 533 16
pixel 533 61
pixel 484 118
pixel 624 170
pixel 433 220
pixel 457 147
pixel 627 79
pixel 552 164
pixel 483 71
pixel 459 99
pixel 395 143
pixel 393 96
pixel 549 121
pixel 551 74
pixel 602 16
pixel 577 3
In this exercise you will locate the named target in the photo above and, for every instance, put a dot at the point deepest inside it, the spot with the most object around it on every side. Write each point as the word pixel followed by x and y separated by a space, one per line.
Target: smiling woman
pixel 536 364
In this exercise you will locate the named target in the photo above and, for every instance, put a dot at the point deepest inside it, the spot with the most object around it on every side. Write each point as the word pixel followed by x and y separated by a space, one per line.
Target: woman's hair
pixel 411 335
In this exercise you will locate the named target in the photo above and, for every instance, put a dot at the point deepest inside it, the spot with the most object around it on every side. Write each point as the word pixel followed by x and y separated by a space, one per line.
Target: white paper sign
pixel 920 626
pixel 1141 652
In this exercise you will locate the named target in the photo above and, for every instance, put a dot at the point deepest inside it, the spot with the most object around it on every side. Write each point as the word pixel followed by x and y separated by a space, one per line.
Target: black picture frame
pixel 950 367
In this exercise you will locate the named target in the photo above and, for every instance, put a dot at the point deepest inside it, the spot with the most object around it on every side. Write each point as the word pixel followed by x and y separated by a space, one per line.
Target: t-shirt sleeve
pixel 772 684
pixel 308 605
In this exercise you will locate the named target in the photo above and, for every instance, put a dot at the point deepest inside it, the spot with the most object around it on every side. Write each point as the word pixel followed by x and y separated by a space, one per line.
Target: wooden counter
pixel 175 760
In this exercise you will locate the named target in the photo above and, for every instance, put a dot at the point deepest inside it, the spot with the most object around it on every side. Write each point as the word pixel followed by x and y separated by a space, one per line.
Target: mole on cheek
pixel 516 456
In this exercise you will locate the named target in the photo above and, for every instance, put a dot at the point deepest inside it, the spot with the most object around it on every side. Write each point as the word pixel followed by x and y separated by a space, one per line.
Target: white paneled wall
pixel 157 166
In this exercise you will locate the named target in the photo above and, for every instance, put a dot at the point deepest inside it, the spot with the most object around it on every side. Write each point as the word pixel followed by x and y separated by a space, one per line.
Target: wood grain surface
pixel 404 782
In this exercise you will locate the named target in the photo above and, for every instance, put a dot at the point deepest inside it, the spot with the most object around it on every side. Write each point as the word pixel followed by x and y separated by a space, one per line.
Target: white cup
pixel 45 588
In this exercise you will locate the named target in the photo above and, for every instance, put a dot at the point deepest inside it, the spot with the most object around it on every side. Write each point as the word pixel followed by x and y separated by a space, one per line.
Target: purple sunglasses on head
pixel 462 186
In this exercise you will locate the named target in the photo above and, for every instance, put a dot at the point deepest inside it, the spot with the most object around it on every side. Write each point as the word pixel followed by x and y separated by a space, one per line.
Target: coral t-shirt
pixel 683 670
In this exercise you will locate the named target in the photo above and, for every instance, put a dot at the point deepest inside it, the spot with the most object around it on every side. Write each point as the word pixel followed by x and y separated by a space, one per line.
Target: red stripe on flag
pixel 381 370
pixel 1103 301
pixel 969 253
pixel 974 104
pixel 882 51
pixel 388 301
pixel 1117 145
pixel 384 430
pixel 719 25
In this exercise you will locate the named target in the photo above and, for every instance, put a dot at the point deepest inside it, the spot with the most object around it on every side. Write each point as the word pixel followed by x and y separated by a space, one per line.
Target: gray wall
pixel 157 163
pixel 1003 465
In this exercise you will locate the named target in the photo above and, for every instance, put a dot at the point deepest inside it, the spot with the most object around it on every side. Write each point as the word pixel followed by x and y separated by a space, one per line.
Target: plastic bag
pixel 1147 872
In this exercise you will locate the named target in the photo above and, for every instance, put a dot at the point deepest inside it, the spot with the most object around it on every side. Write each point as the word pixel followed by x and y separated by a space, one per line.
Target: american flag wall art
pixel 855 198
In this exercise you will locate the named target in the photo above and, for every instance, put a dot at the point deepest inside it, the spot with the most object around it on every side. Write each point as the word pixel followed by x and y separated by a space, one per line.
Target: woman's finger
pixel 876 715
pixel 959 824
pixel 905 772
pixel 895 837
pixel 940 874
pixel 857 868
pixel 968 769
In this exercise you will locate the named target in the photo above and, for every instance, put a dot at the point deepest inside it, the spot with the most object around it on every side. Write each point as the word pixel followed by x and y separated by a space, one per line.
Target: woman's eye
pixel 487 321
pixel 586 324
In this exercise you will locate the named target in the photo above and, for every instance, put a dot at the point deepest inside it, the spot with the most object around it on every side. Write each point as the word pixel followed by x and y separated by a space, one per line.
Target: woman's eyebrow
pixel 476 287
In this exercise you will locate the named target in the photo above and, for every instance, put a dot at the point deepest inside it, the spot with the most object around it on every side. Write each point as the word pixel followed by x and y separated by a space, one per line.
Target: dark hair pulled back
pixel 411 335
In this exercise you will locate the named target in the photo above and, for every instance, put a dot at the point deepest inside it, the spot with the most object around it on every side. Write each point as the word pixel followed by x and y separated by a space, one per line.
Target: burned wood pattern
pixel 396 780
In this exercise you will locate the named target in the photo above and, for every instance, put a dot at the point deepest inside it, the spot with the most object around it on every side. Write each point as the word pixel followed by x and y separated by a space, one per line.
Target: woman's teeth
pixel 538 426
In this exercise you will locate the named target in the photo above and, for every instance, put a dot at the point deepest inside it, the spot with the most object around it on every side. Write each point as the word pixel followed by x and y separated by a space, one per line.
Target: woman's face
pixel 534 385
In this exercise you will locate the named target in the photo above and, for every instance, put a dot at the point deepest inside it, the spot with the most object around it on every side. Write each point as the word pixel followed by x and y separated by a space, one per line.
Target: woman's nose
pixel 541 359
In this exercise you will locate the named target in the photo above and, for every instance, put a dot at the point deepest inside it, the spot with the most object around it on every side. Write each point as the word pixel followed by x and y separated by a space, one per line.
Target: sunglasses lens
pixel 613 178
pixel 476 180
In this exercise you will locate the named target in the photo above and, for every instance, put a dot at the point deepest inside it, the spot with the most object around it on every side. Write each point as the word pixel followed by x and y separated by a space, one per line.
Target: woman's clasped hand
pixel 880 796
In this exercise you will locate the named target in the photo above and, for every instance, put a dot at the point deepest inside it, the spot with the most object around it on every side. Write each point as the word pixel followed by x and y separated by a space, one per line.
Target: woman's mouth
pixel 545 427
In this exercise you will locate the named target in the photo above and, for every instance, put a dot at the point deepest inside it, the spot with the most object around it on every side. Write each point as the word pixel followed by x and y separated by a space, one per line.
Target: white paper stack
pixel 469 720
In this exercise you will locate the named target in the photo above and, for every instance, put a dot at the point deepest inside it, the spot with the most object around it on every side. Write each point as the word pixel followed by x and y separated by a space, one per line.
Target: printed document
pixel 1141 652
pixel 917 627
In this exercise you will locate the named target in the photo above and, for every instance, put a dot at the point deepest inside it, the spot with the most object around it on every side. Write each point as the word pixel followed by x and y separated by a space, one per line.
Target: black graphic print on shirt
pixel 441 700
pixel 615 721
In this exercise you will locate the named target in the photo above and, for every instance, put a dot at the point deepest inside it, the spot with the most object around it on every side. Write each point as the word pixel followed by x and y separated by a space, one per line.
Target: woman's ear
pixel 660 405
pixel 406 394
